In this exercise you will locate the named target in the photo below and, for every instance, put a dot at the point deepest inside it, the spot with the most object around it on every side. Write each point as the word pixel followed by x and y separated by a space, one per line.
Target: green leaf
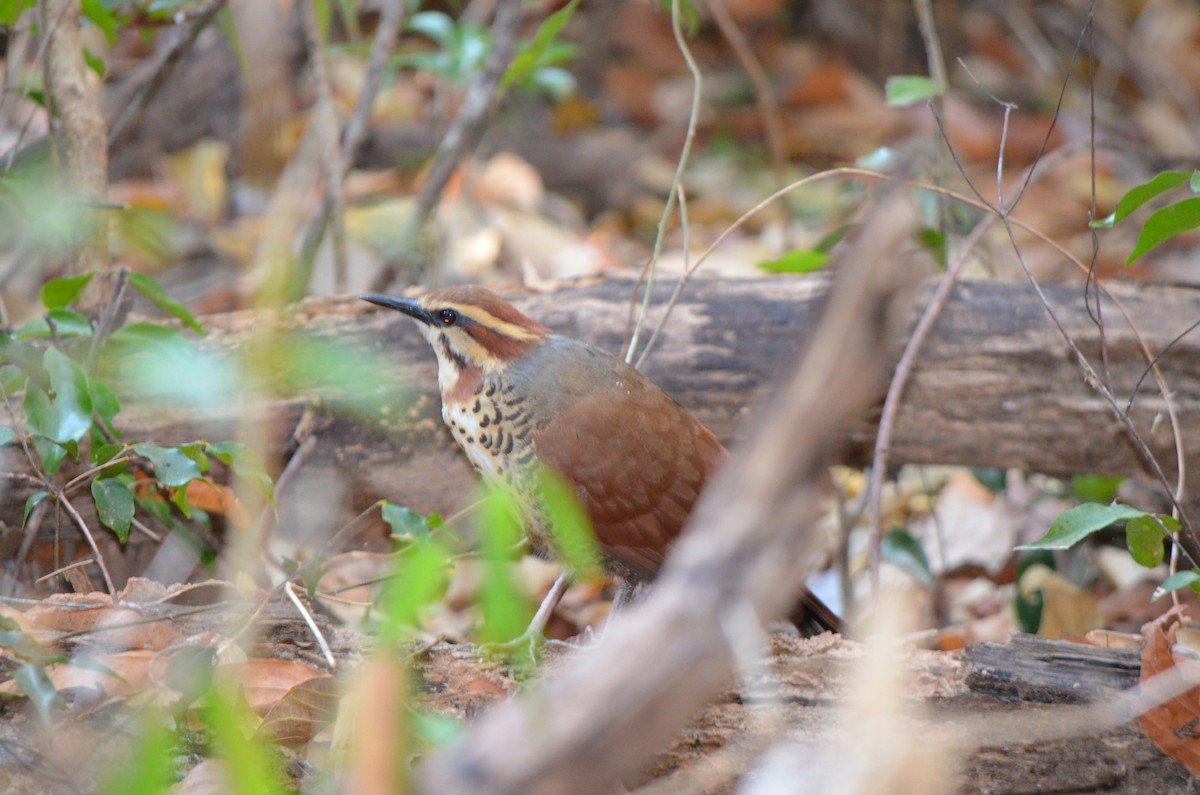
pixel 688 16
pixel 246 464
pixel 993 479
pixel 1180 579
pixel 22 361
pixel 1165 223
pixel 158 509
pixel 104 403
pixel 1096 488
pixel 1145 536
pixel 33 500
pixel 247 760
pixel 419 581
pixel 525 62
pixel 57 293
pixel 94 62
pixel 568 525
pixel 797 261
pixel 831 239
pixel 23 645
pixel 1074 525
pixel 407 525
pixel 906 553
pixel 435 25
pixel 150 767
pixel 7 435
pixel 1137 196
pixel 96 13
pixel 158 296
pixel 160 363
pixel 51 454
pixel 36 685
pixel 322 13
pixel 114 504
pixel 55 323
pixel 505 613
pixel 68 415
pixel 196 452
pixel 436 731
pixel 1028 609
pixel 904 90
pixel 171 467
pixel 103 453
pixel 11 11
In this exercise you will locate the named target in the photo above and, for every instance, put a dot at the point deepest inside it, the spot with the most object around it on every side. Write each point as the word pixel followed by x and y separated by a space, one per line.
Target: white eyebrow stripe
pixel 487 319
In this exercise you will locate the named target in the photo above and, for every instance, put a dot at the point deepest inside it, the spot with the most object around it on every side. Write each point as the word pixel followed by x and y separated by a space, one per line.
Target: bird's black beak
pixel 408 306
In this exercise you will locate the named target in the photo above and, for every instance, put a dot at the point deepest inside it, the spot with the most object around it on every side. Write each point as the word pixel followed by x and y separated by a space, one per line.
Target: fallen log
pixel 994 386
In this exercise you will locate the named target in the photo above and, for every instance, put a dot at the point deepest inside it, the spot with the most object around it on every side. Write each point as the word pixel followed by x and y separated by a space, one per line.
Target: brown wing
pixel 638 461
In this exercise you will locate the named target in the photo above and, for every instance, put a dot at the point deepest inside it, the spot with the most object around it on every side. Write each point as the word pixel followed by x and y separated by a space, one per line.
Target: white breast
pixel 464 423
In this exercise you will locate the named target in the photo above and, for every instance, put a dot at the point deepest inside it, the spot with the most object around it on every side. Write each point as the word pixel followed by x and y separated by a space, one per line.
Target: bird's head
pixel 470 328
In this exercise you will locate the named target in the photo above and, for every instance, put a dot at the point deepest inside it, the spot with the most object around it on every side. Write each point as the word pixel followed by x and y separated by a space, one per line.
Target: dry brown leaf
pixel 266 682
pixel 1067 609
pixel 303 711
pixel 217 498
pixel 113 627
pixel 1171 726
pixel 107 676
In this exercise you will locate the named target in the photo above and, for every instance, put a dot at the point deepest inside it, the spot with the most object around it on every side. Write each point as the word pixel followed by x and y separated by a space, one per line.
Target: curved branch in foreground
pixel 605 712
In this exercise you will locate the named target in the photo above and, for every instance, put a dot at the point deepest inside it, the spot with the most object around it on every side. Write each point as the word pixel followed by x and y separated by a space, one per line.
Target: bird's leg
pixel 532 637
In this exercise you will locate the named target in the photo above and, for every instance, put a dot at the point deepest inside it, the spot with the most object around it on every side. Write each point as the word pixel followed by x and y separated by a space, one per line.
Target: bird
pixel 516 397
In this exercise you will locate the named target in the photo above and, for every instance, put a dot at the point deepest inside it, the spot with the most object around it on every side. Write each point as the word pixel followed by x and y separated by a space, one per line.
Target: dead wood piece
pixel 1030 668
pixel 994 386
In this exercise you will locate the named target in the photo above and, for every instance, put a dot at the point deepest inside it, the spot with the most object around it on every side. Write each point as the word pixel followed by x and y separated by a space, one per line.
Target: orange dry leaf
pixel 216 498
pixel 1172 725
pixel 305 710
pixel 107 676
pixel 112 628
pixel 266 682
pixel 202 493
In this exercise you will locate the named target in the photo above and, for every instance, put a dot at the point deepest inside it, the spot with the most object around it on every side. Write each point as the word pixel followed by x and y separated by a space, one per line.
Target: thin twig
pixel 141 527
pixel 1188 538
pixel 112 315
pixel 62 569
pixel 899 380
pixel 684 156
pixel 76 481
pixel 679 283
pixel 91 541
pixel 312 625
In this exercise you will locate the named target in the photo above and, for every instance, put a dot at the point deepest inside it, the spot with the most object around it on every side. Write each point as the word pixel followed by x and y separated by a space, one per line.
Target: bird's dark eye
pixel 448 317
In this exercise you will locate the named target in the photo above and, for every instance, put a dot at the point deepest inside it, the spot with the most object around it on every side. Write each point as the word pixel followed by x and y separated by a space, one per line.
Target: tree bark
pixel 80 132
pixel 994 386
